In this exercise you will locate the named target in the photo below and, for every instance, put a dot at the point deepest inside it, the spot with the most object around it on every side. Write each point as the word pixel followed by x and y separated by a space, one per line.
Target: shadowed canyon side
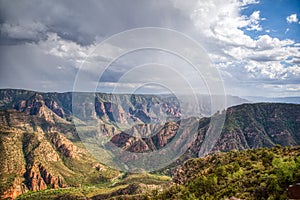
pixel 246 126
pixel 41 149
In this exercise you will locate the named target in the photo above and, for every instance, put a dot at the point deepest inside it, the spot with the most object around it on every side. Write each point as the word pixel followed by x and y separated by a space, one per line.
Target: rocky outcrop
pixel 164 136
pixel 32 156
pixel 35 180
pixel 53 105
pixel 30 106
pixel 64 146
pixel 110 112
pixel 17 188
pixel 146 137
pixel 39 178
pixel 38 106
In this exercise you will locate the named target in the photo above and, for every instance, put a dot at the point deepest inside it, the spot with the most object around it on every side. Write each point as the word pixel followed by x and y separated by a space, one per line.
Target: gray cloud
pixel 29 56
pixel 83 22
pixel 27 67
pixel 43 43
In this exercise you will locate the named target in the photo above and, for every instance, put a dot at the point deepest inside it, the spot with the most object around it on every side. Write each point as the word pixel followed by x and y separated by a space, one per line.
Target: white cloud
pixel 248 2
pixel 293 88
pixel 292 18
pixel 239 56
pixel 254 21
pixel 265 42
pixel 68 50
pixel 286 30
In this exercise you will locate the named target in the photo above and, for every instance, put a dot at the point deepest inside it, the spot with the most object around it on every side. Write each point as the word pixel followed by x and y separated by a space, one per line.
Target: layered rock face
pixel 246 126
pixel 36 154
pixel 40 147
pixel 37 135
pixel 120 108
pixel 146 137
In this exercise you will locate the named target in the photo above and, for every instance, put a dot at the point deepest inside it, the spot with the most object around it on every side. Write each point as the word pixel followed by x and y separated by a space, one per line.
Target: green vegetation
pixel 251 174
pixel 86 173
pixel 50 194
pixel 145 178
pixel 124 181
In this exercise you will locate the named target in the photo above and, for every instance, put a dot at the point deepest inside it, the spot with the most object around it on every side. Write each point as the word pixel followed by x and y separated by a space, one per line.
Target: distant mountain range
pixel 256 99
pixel 40 147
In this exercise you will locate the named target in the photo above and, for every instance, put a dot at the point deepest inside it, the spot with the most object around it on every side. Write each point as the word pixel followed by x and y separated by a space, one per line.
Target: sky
pixel 254 44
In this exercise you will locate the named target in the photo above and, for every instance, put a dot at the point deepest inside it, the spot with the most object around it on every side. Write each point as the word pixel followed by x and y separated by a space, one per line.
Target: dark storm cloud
pixel 84 21
pixel 25 27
